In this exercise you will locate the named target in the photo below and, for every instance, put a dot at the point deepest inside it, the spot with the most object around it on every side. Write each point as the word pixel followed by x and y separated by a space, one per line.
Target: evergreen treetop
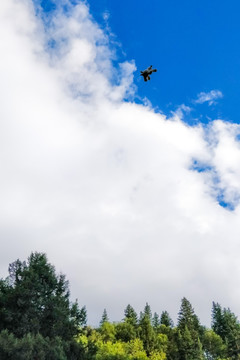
pixel 104 318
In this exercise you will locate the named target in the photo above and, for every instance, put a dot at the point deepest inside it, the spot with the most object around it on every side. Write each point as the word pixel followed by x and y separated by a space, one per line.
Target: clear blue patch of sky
pixel 226 205
pixel 46 5
pixel 200 167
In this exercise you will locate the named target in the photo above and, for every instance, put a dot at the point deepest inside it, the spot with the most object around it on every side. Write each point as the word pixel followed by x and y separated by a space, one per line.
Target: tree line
pixel 39 322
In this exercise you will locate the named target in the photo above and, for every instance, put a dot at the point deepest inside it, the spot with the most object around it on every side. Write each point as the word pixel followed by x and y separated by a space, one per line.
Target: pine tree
pixel 189 347
pixel 104 317
pixel 165 319
pixel 155 321
pixel 130 315
pixel 187 317
pixel 218 323
pixel 189 344
pixel 226 325
pixel 147 334
pixel 147 311
pixel 33 299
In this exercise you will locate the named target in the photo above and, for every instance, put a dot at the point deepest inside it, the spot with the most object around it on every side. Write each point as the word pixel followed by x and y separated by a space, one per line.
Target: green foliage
pixel 82 316
pixel 107 331
pixel 147 311
pixel 125 331
pixel 165 319
pixel 157 356
pixel 130 316
pixel 104 317
pixel 161 342
pixel 155 321
pixel 146 333
pixel 227 326
pixel 38 322
pixel 31 347
pixel 135 350
pixel 33 299
pixel 132 350
pixel 218 323
pixel 189 347
pixel 187 317
pixel 111 351
pixel 188 335
pixel 89 342
pixel 37 319
pixel 213 345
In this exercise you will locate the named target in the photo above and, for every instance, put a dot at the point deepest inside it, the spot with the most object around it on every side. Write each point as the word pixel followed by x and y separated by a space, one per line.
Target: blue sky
pixel 194 44
pixel 100 180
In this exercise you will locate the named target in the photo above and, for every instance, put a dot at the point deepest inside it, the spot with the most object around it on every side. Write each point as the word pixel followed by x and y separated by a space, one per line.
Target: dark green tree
pixel 147 334
pixel 104 317
pixel 35 300
pixel 165 319
pixel 155 321
pixel 189 347
pixel 130 315
pixel 227 326
pixel 187 317
pixel 147 311
pixel 218 323
pixel 172 349
pixel 31 347
pixel 83 316
pixel 188 336
pixel 125 331
pixel 213 345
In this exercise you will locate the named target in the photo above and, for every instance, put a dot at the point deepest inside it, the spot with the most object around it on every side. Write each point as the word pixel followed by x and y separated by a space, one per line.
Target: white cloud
pixel 103 186
pixel 209 97
pixel 181 111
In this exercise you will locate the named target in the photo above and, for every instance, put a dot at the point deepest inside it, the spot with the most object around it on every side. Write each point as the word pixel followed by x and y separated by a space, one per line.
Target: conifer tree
pixel 33 299
pixel 189 344
pixel 130 315
pixel 37 320
pixel 147 334
pixel 218 324
pixel 104 317
pixel 187 317
pixel 189 347
pixel 155 321
pixel 127 330
pixel 226 325
pixel 147 311
pixel 165 319
pixel 83 316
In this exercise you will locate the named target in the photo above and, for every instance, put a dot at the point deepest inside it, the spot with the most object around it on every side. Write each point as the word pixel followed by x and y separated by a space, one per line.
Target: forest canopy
pixel 39 322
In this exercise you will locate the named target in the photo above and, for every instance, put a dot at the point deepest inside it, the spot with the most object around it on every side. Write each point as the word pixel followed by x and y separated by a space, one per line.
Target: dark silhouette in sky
pixel 147 72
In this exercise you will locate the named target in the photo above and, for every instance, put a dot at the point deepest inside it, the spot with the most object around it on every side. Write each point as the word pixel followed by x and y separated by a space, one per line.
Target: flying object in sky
pixel 147 72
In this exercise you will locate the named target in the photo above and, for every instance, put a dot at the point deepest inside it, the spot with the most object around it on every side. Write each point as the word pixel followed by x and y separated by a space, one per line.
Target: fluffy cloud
pixel 209 97
pixel 108 188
